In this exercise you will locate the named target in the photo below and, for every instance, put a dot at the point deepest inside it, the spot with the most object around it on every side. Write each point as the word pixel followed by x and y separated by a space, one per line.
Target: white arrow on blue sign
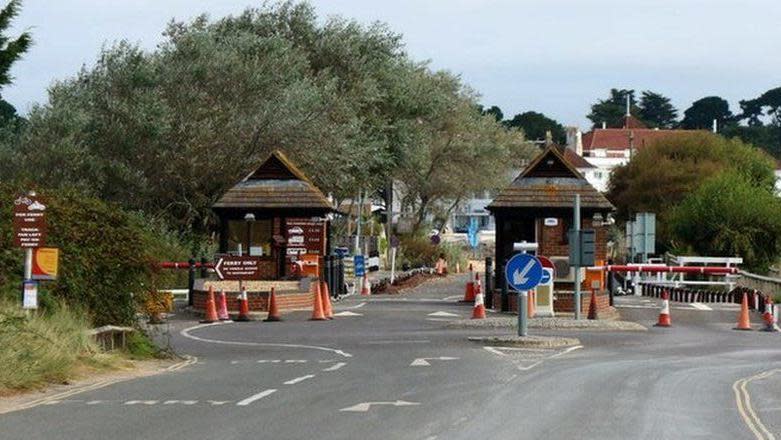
pixel 523 272
pixel 546 276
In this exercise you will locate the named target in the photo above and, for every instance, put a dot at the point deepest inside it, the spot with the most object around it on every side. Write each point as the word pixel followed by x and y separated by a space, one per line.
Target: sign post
pixel 523 272
pixel 29 224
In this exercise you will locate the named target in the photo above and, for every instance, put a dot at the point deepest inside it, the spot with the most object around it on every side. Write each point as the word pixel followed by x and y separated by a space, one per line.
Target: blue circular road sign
pixel 523 272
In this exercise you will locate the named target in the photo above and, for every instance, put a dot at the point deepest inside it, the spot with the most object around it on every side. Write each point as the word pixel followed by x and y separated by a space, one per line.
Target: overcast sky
pixel 552 56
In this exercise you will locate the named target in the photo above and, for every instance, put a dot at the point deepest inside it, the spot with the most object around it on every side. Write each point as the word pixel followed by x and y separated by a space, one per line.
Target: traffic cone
pixel 243 306
pixel 531 301
pixel 273 309
pixel 664 314
pixel 222 311
pixel 478 312
pixel 592 305
pixel 211 309
pixel 317 305
pixel 769 317
pixel 328 311
pixel 469 293
pixel 743 321
pixel 366 289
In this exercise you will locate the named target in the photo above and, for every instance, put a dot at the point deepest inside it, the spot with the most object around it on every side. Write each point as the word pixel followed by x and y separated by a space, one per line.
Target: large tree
pixel 536 125
pixel 703 111
pixel 611 111
pixel 494 111
pixel 657 111
pixel 11 50
pixel 662 174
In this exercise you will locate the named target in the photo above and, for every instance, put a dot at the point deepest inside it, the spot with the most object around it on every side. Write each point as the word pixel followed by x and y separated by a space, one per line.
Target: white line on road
pixel 255 397
pixel 141 402
pixel 424 362
pixel 401 341
pixel 701 306
pixel 336 366
pixel 347 313
pixel 299 379
pixel 441 313
pixel 364 406
pixel 186 334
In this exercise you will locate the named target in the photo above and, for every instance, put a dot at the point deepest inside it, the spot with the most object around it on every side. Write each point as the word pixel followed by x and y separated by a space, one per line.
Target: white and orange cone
pixel 243 307
pixel 478 312
pixel 222 310
pixel 366 289
pixel 469 293
pixel 769 317
pixel 664 313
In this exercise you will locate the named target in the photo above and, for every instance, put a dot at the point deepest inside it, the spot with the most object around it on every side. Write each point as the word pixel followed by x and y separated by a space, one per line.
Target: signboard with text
pixel 29 222
pixel 238 268
pixel 304 236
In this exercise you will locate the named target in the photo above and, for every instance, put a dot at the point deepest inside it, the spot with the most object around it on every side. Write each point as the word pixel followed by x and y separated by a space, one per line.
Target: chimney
pixel 715 126
pixel 548 137
pixel 604 125
pixel 579 143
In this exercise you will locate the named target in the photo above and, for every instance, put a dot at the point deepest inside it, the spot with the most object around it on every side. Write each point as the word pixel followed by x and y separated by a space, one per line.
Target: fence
pixel 756 298
pixel 767 285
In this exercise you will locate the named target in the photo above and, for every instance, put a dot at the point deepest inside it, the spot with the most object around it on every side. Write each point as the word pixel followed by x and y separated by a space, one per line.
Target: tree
pixel 612 110
pixel 702 112
pixel 11 50
pixel 495 111
pixel 754 108
pixel 729 216
pixel 536 125
pixel 656 111
pixel 662 174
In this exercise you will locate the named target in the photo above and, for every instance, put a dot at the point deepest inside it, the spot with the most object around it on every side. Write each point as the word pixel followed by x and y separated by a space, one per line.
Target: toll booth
pixel 537 207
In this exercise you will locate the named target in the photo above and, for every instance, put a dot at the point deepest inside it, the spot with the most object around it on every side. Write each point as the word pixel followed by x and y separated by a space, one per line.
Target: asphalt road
pixel 393 371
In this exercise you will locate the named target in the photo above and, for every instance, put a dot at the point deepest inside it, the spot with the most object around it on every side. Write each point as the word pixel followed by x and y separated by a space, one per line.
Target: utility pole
pixel 576 221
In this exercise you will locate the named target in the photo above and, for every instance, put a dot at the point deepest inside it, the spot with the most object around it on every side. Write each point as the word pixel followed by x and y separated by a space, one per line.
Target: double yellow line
pixel 743 401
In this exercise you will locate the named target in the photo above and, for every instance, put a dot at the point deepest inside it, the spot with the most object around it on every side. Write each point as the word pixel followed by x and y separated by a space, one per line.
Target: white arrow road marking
pixel 299 379
pixel 363 407
pixel 424 362
pixel 538 354
pixel 335 367
pixel 255 397
pixel 519 277
pixel 347 313
pixel 443 314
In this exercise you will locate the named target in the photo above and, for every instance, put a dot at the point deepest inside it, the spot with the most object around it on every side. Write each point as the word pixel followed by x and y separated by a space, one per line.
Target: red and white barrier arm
pixel 183 265
pixel 710 270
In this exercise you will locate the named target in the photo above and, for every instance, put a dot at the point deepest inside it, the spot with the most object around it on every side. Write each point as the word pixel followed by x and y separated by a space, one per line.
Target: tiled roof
pixel 275 184
pixel 574 158
pixel 618 138
pixel 550 181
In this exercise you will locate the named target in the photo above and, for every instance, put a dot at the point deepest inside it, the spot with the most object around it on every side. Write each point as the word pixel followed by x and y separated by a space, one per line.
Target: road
pixel 392 370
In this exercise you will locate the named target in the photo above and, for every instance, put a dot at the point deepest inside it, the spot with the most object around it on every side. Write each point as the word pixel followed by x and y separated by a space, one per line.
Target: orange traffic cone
pixel 769 317
pixel 664 314
pixel 469 293
pixel 317 305
pixel 211 309
pixel 592 305
pixel 366 288
pixel 478 312
pixel 222 311
pixel 328 311
pixel 243 306
pixel 743 321
pixel 273 309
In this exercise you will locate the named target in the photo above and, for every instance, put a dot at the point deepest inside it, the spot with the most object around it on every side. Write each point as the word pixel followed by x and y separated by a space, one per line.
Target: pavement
pixel 389 367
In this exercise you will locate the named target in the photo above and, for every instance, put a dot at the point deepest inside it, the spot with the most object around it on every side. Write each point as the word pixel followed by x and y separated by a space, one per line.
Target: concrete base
pixel 526 341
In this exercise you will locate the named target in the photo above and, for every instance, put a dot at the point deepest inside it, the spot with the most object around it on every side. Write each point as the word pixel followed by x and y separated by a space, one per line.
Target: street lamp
pixel 250 219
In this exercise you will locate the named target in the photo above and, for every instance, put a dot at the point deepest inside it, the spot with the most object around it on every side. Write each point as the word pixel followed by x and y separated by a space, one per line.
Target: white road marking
pixel 347 313
pixel 299 379
pixel 94 402
pixel 365 406
pixel 450 298
pixel 701 306
pixel 336 366
pixel 424 362
pixel 255 397
pixel 141 402
pixel 186 334
pixel 295 361
pixel 500 351
pixel 401 341
pixel 218 402
pixel 441 313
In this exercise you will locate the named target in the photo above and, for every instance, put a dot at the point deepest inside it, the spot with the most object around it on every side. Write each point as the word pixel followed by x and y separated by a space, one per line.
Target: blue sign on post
pixel 523 272
pixel 545 277
pixel 360 265
pixel 472 232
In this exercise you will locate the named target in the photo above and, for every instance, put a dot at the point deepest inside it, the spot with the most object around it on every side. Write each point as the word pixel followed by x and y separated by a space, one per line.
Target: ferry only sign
pixel 238 268
pixel 29 222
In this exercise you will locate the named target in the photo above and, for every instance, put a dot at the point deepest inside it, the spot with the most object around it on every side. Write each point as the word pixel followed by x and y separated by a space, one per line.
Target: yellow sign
pixel 45 263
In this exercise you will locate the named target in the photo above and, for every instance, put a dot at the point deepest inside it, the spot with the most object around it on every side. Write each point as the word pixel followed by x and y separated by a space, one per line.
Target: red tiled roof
pixel 618 138
pixel 632 122
pixel 574 158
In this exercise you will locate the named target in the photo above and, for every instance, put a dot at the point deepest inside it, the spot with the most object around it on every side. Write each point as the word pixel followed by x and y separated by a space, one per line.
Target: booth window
pixel 260 235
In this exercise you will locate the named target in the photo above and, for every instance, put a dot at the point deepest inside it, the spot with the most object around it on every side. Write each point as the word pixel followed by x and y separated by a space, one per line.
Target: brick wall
pixel 553 239
pixel 563 302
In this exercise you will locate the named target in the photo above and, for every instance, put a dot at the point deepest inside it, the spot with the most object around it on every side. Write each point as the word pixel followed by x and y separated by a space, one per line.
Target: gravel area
pixel 547 323
pixel 526 341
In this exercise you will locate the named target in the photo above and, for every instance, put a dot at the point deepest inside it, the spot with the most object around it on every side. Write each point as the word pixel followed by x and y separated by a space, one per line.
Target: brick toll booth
pixel 538 207
pixel 279 216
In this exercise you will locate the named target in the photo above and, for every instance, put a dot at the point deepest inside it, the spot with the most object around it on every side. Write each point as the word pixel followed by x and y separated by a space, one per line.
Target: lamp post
pixel 250 219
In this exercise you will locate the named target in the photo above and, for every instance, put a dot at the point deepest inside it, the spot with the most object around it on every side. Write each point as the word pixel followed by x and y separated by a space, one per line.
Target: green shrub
pixel 140 347
pixel 418 251
pixel 107 255
pixel 46 347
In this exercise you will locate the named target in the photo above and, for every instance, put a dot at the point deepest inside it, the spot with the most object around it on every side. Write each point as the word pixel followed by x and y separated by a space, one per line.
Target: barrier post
pixel 488 290
pixel 191 282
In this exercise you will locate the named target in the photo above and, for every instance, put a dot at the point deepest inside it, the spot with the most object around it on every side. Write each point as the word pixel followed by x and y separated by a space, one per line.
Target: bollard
pixel 488 289
pixel 505 298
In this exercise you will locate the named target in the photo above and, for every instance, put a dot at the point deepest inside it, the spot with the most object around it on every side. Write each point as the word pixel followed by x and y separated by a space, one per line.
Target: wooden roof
pixel 276 184
pixel 549 181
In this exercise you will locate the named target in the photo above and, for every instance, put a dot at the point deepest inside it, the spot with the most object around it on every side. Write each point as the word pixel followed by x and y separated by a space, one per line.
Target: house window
pixel 238 233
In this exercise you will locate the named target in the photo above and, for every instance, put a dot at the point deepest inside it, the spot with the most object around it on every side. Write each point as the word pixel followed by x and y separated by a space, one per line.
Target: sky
pixel 552 56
